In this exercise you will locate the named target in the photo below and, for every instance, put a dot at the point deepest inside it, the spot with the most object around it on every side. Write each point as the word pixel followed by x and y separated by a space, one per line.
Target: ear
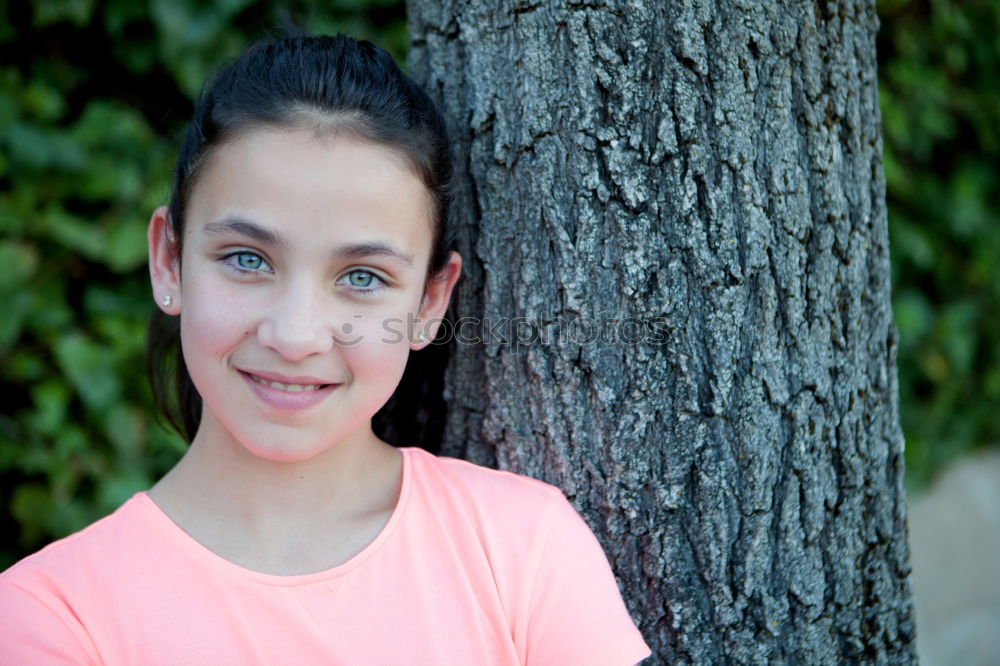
pixel 436 299
pixel 164 262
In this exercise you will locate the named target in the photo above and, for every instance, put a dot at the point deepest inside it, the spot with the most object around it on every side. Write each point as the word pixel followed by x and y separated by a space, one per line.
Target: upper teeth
pixel 287 387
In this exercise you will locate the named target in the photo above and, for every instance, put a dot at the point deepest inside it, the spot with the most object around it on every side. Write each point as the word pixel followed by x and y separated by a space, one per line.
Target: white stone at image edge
pixel 955 552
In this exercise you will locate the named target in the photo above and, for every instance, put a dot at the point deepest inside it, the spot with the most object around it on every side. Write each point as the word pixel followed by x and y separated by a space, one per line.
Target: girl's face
pixel 303 291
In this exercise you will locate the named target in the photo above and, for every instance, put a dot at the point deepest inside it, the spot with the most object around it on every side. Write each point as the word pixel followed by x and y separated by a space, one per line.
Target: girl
pixel 307 229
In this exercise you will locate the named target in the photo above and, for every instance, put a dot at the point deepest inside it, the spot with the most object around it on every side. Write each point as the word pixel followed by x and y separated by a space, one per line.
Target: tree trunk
pixel 673 222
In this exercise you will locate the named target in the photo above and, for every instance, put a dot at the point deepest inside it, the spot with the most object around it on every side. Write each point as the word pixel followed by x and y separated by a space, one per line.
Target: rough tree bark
pixel 711 174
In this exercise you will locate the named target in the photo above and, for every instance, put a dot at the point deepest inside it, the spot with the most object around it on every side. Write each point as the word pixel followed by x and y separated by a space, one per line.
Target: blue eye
pixel 360 278
pixel 363 280
pixel 246 262
pixel 249 261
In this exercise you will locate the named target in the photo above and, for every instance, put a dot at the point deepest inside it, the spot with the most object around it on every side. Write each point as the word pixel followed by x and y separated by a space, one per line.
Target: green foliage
pixel 93 98
pixel 940 93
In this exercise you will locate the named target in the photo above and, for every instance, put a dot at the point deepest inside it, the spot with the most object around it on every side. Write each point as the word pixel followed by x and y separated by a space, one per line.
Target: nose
pixel 298 322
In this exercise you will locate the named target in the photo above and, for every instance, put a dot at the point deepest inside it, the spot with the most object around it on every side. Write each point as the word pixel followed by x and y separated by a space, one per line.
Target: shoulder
pixel 99 538
pixel 452 481
pixel 515 519
pixel 44 595
pixel 483 480
pixel 552 574
pixel 509 516
pixel 70 558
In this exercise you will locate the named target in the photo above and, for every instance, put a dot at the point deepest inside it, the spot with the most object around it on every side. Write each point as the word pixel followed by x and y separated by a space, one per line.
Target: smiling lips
pixel 287 387
pixel 291 395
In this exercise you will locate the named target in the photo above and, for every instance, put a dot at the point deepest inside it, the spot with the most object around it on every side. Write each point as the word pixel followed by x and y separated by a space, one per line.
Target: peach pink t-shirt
pixel 475 566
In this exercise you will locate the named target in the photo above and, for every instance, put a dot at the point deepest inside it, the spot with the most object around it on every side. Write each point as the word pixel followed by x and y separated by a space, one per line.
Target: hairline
pixel 325 126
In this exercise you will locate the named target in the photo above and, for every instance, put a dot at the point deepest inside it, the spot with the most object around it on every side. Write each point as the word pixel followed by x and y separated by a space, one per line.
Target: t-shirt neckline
pixel 195 548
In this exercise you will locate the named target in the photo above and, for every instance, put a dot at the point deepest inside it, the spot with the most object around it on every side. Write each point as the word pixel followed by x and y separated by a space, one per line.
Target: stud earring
pixel 167 300
pixel 421 336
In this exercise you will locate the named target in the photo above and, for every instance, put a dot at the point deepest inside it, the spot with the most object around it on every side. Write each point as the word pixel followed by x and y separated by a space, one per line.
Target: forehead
pixel 313 190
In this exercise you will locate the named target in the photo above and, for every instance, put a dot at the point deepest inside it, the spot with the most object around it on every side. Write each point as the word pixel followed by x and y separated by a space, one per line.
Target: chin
pixel 287 451
pixel 289 445
pixel 284 455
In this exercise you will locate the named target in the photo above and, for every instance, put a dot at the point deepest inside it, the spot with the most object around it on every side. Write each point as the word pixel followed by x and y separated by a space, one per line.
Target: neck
pixel 220 484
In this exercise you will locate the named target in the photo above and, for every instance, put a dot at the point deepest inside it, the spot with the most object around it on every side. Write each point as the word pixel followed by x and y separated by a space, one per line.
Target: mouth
pixel 291 388
pixel 288 397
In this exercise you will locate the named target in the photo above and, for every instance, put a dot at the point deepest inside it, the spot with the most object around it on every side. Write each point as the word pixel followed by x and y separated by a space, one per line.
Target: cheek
pixel 389 328
pixel 382 347
pixel 213 318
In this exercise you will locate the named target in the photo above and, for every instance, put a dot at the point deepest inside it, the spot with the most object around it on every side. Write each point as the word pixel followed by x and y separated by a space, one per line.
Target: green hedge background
pixel 94 95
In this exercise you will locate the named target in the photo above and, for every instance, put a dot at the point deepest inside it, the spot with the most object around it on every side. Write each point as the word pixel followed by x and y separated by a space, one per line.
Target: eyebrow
pixel 372 248
pixel 238 225
pixel 243 227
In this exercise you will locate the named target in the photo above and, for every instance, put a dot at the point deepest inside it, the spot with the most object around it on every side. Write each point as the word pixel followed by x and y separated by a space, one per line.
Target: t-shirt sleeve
pixel 576 614
pixel 32 632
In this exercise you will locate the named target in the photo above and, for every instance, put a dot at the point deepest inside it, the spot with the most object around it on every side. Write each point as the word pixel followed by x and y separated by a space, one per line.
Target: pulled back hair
pixel 328 84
